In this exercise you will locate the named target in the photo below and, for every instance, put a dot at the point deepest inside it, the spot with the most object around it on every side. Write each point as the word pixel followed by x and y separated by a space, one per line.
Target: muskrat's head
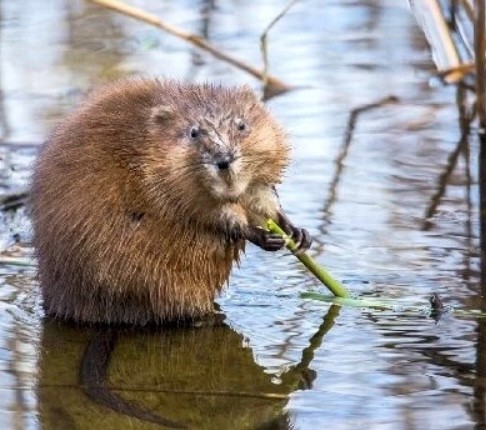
pixel 214 143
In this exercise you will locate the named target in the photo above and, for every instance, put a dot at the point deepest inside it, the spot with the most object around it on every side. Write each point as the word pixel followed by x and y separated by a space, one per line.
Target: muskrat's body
pixel 143 198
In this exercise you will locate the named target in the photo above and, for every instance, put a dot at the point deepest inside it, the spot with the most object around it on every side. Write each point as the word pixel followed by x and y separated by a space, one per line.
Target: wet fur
pixel 128 227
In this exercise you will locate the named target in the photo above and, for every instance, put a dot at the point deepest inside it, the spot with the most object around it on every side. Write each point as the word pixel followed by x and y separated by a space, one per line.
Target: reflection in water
pixel 332 192
pixel 205 378
pixel 465 118
pixel 302 371
pixel 186 375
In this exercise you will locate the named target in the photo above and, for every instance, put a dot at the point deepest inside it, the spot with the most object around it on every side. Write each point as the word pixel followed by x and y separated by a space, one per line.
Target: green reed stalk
pixel 334 286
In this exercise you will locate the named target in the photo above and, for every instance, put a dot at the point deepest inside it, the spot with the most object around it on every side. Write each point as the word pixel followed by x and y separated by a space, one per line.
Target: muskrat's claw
pixel 264 239
pixel 300 236
pixel 302 239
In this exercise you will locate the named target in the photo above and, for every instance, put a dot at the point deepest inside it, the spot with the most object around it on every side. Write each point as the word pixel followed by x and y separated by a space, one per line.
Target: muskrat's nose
pixel 223 165
pixel 224 162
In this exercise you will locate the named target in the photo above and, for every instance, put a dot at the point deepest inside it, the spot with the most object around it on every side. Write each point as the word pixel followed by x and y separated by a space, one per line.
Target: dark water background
pixel 364 200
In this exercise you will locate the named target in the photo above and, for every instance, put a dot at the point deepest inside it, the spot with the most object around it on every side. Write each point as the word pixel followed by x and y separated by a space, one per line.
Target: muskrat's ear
pixel 248 95
pixel 161 113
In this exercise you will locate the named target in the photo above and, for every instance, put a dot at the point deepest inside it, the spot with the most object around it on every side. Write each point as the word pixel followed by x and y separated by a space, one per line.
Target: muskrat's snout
pixel 224 161
pixel 226 179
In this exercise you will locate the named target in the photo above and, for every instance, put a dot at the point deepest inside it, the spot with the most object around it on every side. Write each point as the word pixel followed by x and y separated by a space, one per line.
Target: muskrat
pixel 143 198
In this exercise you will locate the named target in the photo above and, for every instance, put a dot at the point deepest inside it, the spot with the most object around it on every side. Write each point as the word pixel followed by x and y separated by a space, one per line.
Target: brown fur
pixel 128 227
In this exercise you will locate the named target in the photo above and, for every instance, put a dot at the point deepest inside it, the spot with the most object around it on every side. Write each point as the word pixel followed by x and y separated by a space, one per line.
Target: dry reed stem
pixel 438 34
pixel 461 71
pixel 276 85
pixel 468 8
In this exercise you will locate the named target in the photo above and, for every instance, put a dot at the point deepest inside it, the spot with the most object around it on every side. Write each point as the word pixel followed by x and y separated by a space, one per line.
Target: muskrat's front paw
pixel 264 239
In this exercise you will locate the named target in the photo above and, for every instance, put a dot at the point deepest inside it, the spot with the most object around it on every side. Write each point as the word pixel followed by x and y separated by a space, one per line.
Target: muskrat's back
pixel 142 199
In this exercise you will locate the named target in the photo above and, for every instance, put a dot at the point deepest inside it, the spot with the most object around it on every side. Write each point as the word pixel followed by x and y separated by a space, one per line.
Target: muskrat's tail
pixel 93 375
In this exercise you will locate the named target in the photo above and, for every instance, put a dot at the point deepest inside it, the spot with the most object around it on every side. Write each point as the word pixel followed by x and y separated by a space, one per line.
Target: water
pixel 364 200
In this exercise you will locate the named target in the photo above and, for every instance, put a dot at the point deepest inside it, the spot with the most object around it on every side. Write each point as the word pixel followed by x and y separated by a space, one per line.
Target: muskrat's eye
pixel 241 125
pixel 194 132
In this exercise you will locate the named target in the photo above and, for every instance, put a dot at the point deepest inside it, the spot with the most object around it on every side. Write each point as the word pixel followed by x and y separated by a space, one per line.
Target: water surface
pixel 363 199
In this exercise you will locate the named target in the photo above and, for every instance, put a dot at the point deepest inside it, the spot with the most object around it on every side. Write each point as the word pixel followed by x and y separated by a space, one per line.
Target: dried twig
pixel 20 145
pixel 263 46
pixel 275 85
pixel 17 261
pixel 13 200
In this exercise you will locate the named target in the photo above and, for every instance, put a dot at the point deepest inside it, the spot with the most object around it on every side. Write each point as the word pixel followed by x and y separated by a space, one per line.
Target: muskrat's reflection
pixel 203 378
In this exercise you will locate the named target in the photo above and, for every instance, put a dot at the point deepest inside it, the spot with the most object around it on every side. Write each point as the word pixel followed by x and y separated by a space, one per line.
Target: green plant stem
pixel 334 286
